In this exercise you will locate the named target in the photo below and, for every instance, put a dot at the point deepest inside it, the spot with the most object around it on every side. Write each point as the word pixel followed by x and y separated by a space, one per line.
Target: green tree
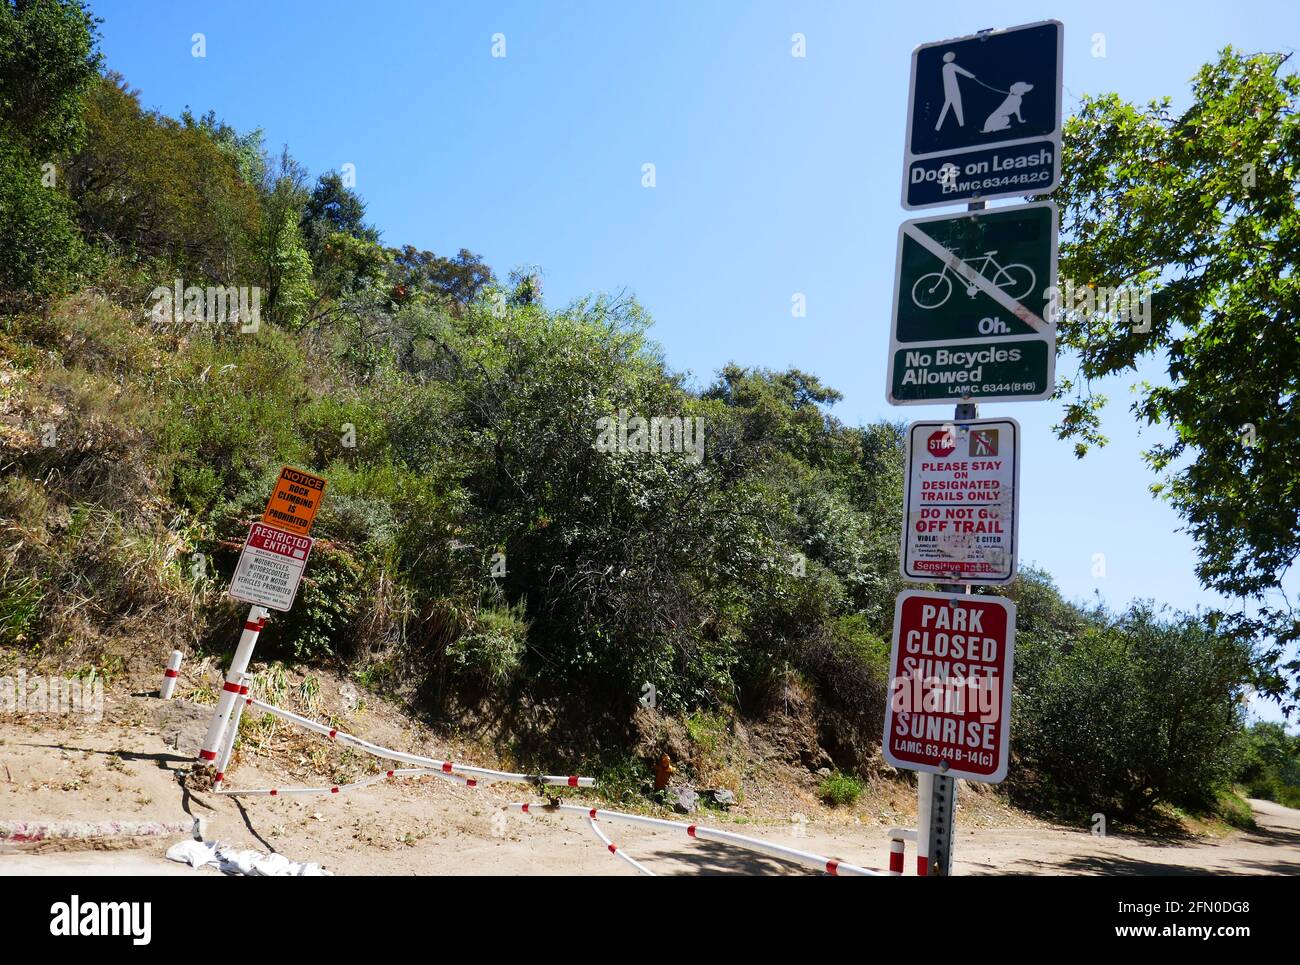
pixel 47 61
pixel 285 263
pixel 1202 204
pixel 160 191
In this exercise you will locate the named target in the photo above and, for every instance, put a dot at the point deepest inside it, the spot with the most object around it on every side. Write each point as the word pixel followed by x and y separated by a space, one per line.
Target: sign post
pixel 267 576
pixel 972 321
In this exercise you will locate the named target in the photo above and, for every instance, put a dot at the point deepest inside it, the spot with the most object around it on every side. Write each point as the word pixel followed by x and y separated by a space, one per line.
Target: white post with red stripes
pixel 170 674
pixel 230 690
pixel 924 804
pixel 232 732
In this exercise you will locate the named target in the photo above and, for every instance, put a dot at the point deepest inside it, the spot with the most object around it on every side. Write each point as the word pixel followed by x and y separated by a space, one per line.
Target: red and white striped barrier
pixel 253 625
pixel 467 774
pixel 613 849
pixel 831 866
pixel 170 675
pixel 897 851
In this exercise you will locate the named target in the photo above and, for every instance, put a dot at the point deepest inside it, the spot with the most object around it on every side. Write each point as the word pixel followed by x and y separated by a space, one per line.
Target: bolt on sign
pixel 270 567
pixel 961 505
pixel 974 307
pixel 295 501
pixel 949 709
pixel 984 116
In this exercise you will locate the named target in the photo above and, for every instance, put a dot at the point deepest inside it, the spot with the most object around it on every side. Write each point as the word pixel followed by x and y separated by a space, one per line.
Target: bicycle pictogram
pixel 934 288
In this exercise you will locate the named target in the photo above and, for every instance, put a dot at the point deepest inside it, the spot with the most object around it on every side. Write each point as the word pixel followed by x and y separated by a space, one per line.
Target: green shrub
pixel 1137 710
pixel 491 650
pixel 840 790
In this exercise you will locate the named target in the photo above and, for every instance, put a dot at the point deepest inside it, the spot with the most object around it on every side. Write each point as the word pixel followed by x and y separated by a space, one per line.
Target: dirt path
pixel 127 770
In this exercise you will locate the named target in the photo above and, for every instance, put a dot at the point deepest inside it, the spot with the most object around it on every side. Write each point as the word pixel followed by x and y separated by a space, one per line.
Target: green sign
pixel 971 319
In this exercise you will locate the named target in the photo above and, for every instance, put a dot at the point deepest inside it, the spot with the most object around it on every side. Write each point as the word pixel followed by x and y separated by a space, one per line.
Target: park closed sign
pixel 961 503
pixel 951 664
pixel 971 316
pixel 984 116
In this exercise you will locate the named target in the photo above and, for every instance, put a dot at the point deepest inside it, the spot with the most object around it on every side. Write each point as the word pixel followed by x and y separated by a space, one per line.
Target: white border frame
pixel 1014 550
pixel 1004 721
pixel 1054 137
pixel 1053 282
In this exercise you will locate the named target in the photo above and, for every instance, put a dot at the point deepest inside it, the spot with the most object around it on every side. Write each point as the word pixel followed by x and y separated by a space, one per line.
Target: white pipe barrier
pixel 232 733
pixel 170 674
pixel 897 850
pixel 253 625
pixel 924 802
pixel 28 831
pixel 447 768
pixel 806 858
pixel 613 849
pixel 340 788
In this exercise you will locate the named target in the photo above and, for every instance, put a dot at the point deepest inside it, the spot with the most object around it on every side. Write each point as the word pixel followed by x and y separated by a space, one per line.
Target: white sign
pixel 962 508
pixel 270 567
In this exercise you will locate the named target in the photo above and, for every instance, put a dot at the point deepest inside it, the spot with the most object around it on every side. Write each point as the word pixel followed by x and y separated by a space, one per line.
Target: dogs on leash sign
pixel 950 669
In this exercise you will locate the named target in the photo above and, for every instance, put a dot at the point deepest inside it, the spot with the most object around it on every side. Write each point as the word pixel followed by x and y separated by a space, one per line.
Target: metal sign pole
pixel 937 793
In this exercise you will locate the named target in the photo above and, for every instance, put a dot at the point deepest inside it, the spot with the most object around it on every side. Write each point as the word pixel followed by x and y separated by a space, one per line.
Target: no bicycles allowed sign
pixel 971 319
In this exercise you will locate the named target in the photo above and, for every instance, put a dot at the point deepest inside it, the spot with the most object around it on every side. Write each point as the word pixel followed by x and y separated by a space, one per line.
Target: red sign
pixel 950 673
pixel 942 443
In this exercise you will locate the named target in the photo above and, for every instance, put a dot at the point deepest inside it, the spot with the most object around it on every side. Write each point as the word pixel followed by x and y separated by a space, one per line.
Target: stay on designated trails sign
pixel 949 708
pixel 295 501
pixel 971 318
pixel 984 116
pixel 961 514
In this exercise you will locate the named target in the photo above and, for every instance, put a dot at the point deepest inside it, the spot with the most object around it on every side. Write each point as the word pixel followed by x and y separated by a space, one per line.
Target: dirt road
pixel 127 770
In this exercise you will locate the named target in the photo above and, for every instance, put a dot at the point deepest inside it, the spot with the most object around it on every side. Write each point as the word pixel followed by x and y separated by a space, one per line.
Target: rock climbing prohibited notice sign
pixel 974 306
pixel 949 709
pixel 295 501
pixel 270 567
pixel 984 116
pixel 961 503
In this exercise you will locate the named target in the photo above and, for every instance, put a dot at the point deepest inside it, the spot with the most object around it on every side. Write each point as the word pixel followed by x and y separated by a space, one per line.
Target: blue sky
pixel 774 175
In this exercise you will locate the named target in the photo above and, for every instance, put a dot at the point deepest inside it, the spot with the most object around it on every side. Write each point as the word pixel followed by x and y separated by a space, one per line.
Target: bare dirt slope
pixel 129 767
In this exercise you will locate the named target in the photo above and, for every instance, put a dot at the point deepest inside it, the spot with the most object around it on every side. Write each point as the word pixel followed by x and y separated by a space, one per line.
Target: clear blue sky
pixel 775 175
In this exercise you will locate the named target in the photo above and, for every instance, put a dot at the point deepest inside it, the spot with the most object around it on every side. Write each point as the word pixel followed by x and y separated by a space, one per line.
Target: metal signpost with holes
pixel 984 116
pixel 971 323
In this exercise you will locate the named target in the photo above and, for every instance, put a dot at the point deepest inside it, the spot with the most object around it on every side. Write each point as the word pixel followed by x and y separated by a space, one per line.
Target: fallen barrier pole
pixel 447 768
pixel 232 732
pixel 340 788
pixel 30 831
pixel 613 849
pixel 806 858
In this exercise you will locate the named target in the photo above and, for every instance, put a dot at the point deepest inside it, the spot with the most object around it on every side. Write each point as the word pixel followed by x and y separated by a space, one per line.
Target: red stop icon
pixel 942 443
